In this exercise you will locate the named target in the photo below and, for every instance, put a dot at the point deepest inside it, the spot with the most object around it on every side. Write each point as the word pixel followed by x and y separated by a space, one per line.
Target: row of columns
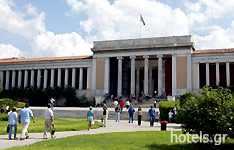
pixel 45 78
pixel 146 75
pixel 217 73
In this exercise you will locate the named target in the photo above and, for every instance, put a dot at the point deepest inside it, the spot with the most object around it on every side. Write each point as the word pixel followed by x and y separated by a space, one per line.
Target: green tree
pixel 212 113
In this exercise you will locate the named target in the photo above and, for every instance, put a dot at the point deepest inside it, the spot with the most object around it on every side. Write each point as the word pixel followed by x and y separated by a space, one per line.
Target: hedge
pixel 11 103
pixel 165 107
pixel 4 117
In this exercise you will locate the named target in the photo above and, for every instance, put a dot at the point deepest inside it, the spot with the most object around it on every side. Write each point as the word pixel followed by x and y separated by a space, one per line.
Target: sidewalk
pixel 112 126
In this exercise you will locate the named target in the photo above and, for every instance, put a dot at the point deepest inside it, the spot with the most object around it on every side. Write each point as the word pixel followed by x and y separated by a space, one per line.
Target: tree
pixel 212 113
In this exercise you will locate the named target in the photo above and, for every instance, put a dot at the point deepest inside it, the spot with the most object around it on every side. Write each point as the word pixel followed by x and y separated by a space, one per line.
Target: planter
pixel 163 125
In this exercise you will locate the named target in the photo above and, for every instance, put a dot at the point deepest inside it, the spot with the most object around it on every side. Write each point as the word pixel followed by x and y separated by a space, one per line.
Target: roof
pixel 213 51
pixel 45 59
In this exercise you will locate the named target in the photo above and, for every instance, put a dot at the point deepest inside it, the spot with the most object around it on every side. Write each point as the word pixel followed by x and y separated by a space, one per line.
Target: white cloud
pixel 8 51
pixel 32 10
pixel 76 6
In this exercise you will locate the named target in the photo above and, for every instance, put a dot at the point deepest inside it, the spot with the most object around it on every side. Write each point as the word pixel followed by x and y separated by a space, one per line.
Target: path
pixel 112 126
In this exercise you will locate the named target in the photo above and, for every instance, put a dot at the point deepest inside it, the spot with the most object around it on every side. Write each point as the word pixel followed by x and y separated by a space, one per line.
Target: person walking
pixel 25 115
pixel 152 116
pixel 105 114
pixel 121 103
pixel 139 115
pixel 52 101
pixel 13 119
pixel 131 112
pixel 127 104
pixel 90 117
pixel 49 122
pixel 117 110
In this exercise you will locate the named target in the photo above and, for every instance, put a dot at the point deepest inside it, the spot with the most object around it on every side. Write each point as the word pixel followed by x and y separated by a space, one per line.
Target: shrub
pixel 212 113
pixel 184 97
pixel 85 102
pixel 165 107
pixel 21 105
pixel 4 117
pixel 70 95
pixel 8 102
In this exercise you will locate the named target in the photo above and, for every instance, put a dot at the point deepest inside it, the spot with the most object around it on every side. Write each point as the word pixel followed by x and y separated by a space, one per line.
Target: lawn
pixel 148 140
pixel 61 124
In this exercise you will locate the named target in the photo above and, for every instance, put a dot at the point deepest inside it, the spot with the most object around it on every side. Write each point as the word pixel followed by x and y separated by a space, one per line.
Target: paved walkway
pixel 112 126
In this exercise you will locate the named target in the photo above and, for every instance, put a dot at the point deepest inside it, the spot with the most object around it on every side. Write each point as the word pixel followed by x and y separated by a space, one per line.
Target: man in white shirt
pixel 49 122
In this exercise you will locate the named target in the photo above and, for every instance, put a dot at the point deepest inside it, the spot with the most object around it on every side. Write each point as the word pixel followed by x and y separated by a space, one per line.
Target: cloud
pixel 122 19
pixel 8 51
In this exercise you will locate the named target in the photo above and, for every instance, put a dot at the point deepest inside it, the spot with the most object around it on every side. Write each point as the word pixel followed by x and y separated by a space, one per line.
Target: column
pixel 74 77
pixel 94 76
pixel 19 78
pixel 207 74
pixel 189 72
pixel 88 73
pixel 7 79
pixel 137 81
pixel 159 75
pixel 228 73
pixel 45 78
pixel 133 75
pixel 13 78
pixel 59 77
pixel 150 81
pixel 66 77
pixel 52 78
pixel 146 75
pixel 32 78
pixel 1 79
pixel 81 79
pixel 174 83
pixel 119 92
pixel 107 75
pixel 25 78
pixel 38 78
pixel 217 74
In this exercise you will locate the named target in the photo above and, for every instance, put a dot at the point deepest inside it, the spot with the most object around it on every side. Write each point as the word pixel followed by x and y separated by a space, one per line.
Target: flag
pixel 142 20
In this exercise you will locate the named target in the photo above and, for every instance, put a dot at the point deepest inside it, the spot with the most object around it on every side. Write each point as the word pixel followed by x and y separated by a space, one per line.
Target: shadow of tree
pixel 190 147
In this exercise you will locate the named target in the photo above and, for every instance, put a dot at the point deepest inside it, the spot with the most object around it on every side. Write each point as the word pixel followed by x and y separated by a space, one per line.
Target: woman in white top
pixel 13 118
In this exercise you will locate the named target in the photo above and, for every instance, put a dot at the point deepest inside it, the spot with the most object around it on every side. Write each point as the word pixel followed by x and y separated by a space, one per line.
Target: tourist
pixel 13 118
pixel 117 110
pixel 49 122
pixel 2 109
pixel 105 114
pixel 139 115
pixel 155 104
pixel 157 116
pixel 131 112
pixel 90 117
pixel 7 108
pixel 170 116
pixel 52 101
pixel 127 104
pixel 25 115
pixel 115 103
pixel 121 106
pixel 152 116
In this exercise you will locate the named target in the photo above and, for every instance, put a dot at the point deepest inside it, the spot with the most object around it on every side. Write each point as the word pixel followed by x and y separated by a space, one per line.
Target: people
pixel 7 108
pixel 2 109
pixel 90 117
pixel 52 101
pixel 157 116
pixel 152 116
pixel 25 115
pixel 117 110
pixel 13 119
pixel 127 104
pixel 49 122
pixel 115 103
pixel 139 115
pixel 121 103
pixel 105 114
pixel 155 104
pixel 131 112
pixel 170 115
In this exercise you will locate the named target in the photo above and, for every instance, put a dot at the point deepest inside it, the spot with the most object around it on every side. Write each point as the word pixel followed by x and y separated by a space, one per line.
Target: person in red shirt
pixel 121 106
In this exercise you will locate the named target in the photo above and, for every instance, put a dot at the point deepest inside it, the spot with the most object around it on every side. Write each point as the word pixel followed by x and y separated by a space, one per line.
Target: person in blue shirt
pixel 152 116
pixel 90 117
pixel 25 116
pixel 131 112
pixel 13 119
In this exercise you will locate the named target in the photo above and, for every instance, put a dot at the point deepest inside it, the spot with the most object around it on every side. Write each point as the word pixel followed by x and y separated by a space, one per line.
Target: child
pixel 170 115
pixel 157 117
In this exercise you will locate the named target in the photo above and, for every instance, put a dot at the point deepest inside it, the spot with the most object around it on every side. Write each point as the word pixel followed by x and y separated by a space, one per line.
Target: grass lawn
pixel 61 124
pixel 147 140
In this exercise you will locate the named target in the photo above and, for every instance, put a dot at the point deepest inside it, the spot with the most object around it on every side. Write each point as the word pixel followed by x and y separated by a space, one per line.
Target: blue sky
pixel 50 28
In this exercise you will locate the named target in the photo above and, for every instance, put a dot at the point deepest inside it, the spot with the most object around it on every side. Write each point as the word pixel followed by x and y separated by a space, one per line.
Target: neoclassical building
pixel 168 65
